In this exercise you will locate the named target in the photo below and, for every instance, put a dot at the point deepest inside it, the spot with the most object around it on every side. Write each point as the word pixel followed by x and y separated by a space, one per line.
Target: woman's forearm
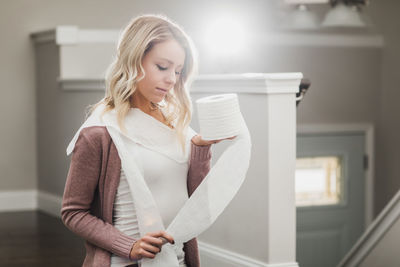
pixel 79 192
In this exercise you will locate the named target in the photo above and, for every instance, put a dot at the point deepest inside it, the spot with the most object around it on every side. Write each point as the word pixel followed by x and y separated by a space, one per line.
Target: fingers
pixel 145 254
pixel 163 234
pixel 217 141
pixel 143 250
pixel 198 140
pixel 150 244
pixel 163 240
pixel 150 248
pixel 153 241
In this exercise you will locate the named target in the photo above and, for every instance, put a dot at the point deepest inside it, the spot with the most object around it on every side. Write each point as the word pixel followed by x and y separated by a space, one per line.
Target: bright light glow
pixel 318 181
pixel 225 36
pixel 310 181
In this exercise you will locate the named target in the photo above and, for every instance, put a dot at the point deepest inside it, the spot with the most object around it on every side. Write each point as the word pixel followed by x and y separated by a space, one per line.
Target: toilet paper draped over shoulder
pixel 219 118
pixel 142 129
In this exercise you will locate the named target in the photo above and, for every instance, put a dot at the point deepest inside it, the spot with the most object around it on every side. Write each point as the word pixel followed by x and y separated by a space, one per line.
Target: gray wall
pixel 349 85
pixel 387 183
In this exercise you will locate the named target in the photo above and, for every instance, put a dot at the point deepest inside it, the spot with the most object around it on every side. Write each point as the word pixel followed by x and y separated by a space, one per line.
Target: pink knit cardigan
pixel 90 189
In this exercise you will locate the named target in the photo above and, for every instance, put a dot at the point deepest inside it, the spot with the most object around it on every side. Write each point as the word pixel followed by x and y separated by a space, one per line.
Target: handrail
pixel 374 233
pixel 303 87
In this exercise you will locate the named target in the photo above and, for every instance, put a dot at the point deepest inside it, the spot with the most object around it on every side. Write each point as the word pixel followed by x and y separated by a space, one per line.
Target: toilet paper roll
pixel 219 116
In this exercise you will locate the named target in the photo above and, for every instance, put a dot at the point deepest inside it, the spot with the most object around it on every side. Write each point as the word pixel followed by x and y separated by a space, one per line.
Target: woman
pixel 147 83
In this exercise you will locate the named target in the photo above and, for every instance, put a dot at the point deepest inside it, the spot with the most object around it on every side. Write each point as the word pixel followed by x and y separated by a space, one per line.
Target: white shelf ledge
pixel 73 35
pixel 249 83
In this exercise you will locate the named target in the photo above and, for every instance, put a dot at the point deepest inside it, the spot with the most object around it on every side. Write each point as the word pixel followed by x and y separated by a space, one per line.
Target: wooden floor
pixel 33 238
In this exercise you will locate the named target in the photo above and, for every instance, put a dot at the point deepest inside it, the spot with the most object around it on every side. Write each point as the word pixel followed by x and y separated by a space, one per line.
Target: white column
pixel 259 226
pixel 281 156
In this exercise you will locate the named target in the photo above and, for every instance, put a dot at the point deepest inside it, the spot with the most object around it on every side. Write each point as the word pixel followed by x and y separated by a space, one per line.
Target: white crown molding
pixel 249 83
pixel 252 83
pixel 224 257
pixel 73 35
pixel 318 39
pixel 98 36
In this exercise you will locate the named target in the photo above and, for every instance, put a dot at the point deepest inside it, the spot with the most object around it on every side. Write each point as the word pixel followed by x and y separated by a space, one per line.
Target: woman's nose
pixel 171 77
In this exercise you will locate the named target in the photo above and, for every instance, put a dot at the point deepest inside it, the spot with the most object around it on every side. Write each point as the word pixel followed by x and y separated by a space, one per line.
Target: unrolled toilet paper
pixel 219 116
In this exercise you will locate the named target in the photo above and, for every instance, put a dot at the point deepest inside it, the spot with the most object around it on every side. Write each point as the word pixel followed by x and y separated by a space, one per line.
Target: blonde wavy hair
pixel 137 39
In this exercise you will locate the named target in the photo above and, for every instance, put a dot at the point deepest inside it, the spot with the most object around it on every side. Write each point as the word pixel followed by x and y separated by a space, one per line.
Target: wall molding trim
pixel 24 200
pixel 248 83
pixel 319 39
pixel 49 203
pixel 251 83
pixel 73 35
pixel 18 200
pixel 229 257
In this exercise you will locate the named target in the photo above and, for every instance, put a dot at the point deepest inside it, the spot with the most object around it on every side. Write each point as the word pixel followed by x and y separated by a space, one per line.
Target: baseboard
pixel 18 200
pixel 23 200
pixel 215 256
pixel 49 203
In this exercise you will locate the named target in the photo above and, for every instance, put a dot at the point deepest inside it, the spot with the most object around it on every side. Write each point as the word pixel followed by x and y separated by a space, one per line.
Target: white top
pixel 166 179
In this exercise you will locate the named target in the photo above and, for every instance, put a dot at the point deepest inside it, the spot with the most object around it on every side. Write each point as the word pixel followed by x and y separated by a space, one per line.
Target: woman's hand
pixel 198 141
pixel 149 245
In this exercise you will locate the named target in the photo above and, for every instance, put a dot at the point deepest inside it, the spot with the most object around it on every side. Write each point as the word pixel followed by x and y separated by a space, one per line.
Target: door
pixel 330 196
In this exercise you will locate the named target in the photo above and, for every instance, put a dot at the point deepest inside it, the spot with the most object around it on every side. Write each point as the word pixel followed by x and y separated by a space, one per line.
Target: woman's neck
pixel 140 102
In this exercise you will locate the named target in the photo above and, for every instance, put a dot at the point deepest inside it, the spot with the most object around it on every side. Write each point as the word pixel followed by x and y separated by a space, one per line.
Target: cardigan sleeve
pixel 80 188
pixel 199 166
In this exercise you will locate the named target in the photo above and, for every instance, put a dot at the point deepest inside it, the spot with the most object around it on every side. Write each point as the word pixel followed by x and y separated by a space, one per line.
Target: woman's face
pixel 162 65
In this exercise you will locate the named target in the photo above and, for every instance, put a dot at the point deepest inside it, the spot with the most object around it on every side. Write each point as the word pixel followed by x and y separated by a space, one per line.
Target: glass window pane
pixel 318 181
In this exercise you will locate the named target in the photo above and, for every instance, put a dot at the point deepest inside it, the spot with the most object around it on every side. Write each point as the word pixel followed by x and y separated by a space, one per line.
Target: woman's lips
pixel 161 89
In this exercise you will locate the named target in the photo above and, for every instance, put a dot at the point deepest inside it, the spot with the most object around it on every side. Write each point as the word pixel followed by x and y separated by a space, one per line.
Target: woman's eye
pixel 165 68
pixel 161 68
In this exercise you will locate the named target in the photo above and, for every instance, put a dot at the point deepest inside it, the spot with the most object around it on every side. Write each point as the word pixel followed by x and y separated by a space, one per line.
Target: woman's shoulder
pixel 96 135
pixel 94 131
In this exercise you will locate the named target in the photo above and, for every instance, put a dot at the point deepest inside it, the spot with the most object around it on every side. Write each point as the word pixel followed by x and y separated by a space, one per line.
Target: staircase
pixel 379 245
